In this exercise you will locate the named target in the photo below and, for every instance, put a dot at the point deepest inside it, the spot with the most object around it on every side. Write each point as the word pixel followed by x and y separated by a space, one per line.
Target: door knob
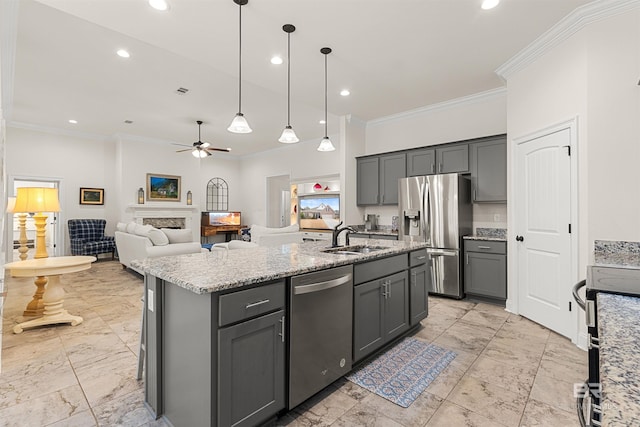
pixel 519 239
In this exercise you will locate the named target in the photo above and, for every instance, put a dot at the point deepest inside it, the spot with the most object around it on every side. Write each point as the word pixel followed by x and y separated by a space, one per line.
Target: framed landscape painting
pixel 163 188
pixel 91 196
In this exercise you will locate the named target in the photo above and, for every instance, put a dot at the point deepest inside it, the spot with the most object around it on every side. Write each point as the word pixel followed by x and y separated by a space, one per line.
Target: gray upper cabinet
pixel 392 168
pixel 421 162
pixel 489 170
pixel 377 179
pixel 453 158
pixel 368 181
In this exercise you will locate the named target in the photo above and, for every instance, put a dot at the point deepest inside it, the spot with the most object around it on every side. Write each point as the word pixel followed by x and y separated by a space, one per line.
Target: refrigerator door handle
pixel 441 252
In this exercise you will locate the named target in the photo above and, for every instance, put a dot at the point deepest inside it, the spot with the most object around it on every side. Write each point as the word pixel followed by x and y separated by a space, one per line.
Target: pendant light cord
pixel 325 96
pixel 288 79
pixel 240 60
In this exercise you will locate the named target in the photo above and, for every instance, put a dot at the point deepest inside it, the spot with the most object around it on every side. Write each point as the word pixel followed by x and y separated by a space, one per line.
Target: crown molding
pixel 57 131
pixel 565 28
pixel 8 37
pixel 457 102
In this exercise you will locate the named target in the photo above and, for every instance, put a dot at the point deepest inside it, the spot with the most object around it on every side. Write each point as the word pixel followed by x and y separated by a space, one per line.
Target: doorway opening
pixel 278 201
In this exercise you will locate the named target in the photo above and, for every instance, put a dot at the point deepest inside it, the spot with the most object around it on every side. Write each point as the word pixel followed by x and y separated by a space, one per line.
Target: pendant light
pixel 288 135
pixel 239 123
pixel 325 144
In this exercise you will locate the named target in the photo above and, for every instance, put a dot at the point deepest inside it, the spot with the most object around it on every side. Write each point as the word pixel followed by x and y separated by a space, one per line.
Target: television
pixel 221 218
pixel 319 212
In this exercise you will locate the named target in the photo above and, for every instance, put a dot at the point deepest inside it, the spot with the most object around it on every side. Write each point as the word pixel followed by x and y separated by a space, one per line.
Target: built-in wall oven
pixel 616 280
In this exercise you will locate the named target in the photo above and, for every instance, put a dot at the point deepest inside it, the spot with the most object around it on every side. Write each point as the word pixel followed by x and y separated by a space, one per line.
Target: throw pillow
pixel 121 226
pixel 157 237
pixel 142 230
pixel 183 235
pixel 131 227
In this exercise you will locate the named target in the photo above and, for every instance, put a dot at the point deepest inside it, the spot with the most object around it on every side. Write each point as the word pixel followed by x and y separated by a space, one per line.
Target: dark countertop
pixel 216 271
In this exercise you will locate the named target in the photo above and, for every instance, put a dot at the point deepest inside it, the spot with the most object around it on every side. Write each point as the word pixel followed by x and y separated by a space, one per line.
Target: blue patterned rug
pixel 404 371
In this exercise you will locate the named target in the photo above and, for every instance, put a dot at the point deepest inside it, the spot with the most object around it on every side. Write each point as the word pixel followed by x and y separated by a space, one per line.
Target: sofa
pixel 267 236
pixel 136 241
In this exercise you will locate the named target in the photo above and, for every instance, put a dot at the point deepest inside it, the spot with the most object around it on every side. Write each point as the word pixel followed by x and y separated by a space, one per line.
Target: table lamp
pixel 38 200
pixel 22 226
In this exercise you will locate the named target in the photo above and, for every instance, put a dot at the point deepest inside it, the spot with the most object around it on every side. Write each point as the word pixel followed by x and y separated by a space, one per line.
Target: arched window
pixel 217 195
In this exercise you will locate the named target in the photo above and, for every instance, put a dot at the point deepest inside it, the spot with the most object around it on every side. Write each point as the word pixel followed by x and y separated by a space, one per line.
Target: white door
pixel 543 215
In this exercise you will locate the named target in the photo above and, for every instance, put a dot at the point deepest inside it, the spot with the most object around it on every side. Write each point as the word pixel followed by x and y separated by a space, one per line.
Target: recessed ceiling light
pixel 73 122
pixel 159 4
pixel 345 92
pixel 322 122
pixel 489 4
pixel 276 60
pixel 123 53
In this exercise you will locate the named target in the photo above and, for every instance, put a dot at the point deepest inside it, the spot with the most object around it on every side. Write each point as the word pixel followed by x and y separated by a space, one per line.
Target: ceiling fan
pixel 201 149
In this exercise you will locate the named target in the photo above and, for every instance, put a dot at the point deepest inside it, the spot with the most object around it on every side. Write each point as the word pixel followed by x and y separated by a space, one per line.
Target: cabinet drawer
pixel 383 267
pixel 486 246
pixel 241 305
pixel 417 257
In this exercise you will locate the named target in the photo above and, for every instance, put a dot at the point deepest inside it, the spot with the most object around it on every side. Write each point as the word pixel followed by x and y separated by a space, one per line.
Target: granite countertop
pixel 616 254
pixel 489 234
pixel 382 231
pixel 619 332
pixel 215 271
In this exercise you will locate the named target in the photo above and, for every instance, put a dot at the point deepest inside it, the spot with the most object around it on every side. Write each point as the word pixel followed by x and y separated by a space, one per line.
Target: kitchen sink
pixel 354 250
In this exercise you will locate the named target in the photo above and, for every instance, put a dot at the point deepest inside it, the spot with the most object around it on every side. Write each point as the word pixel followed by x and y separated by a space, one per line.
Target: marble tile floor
pixel 509 371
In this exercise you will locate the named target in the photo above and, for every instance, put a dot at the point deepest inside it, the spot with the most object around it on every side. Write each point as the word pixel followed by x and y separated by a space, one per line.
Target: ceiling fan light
pixel 204 145
pixel 239 125
pixel 489 4
pixel 288 136
pixel 326 145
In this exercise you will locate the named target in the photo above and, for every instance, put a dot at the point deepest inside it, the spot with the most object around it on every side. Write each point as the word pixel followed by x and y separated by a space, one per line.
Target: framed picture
pixel 91 196
pixel 163 188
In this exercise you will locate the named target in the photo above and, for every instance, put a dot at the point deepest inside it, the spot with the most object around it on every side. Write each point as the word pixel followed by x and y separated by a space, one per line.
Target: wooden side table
pixel 53 296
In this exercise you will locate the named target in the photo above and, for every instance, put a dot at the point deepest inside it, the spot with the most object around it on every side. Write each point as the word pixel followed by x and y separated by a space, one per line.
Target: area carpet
pixel 404 371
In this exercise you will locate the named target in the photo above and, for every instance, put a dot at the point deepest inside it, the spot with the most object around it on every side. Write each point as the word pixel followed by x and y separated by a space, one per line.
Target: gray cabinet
pixel 365 235
pixel 489 170
pixel 252 370
pixel 419 284
pixel 377 179
pixel 453 159
pixel 380 313
pixel 392 168
pixel 485 269
pixel 368 181
pixel 421 162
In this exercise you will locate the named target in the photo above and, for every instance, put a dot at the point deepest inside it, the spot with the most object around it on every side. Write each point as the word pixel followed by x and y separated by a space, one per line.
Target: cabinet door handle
pixel 474 195
pixel 484 247
pixel 467 259
pixel 433 168
pixel 255 304
pixel 440 167
pixel 422 257
pixel 414 278
pixel 384 289
pixel 281 334
pixel 383 198
pixel 388 288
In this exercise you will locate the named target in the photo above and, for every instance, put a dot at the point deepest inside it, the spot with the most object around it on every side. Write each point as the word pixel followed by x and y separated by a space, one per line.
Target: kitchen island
pixel 217 328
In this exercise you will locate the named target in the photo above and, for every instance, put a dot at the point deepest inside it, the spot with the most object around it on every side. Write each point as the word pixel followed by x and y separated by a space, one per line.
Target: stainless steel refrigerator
pixel 437 209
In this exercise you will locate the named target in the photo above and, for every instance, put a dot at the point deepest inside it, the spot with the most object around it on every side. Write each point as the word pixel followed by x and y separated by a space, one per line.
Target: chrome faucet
pixel 336 232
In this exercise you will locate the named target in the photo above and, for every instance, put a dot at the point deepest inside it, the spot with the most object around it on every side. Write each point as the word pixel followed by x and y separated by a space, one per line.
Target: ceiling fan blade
pixel 187 149
pixel 224 150
pixel 181 145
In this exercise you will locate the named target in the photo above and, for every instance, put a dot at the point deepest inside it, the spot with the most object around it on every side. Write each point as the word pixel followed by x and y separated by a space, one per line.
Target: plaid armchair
pixel 87 237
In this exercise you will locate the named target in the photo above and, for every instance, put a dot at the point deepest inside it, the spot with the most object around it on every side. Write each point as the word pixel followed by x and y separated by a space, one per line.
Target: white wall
pixel 299 161
pixel 465 118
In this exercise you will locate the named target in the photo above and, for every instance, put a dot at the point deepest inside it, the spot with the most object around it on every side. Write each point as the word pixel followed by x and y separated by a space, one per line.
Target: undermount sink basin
pixel 354 250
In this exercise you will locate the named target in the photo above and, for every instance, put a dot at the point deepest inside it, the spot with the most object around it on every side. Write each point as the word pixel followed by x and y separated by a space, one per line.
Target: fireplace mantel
pixel 163 210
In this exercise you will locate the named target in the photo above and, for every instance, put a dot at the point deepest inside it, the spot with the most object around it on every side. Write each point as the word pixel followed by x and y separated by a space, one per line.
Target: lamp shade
pixel 326 145
pixel 37 199
pixel 11 204
pixel 288 136
pixel 239 124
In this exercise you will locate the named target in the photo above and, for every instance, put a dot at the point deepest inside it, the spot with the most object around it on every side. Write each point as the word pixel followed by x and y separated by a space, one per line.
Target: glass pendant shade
pixel 239 125
pixel 288 136
pixel 326 145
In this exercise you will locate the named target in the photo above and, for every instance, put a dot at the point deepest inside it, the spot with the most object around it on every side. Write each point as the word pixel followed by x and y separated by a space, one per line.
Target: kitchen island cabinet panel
pixel 368 326
pixel 419 290
pixel 396 310
pixel 252 371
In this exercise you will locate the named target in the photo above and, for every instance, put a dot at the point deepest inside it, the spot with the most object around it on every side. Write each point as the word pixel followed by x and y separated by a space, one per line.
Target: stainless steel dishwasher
pixel 320 325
